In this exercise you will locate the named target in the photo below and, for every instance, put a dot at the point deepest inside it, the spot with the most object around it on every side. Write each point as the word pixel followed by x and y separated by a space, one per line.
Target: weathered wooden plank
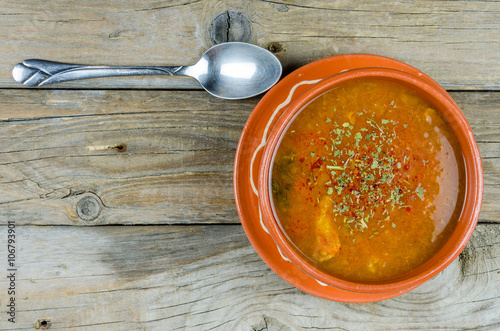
pixel 56 145
pixel 482 111
pixel 210 278
pixel 455 42
pixel 175 165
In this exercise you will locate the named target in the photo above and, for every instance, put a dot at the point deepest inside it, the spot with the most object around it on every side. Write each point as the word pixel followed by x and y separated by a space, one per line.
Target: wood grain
pixel 177 165
pixel 57 145
pixel 210 278
pixel 455 42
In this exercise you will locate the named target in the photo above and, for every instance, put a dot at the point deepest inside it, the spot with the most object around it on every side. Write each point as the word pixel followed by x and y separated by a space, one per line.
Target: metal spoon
pixel 230 70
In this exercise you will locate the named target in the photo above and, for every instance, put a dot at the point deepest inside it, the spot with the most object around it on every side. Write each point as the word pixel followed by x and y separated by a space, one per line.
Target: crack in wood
pixel 166 7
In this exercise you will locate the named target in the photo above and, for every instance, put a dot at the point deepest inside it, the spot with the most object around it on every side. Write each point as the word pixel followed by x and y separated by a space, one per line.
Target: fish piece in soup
pixel 327 243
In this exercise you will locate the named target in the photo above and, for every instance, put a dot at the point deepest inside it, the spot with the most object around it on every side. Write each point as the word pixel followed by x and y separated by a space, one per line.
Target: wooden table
pixel 121 189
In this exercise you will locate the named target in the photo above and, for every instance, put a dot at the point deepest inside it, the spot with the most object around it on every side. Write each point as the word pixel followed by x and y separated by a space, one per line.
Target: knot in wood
pixel 275 47
pixel 88 208
pixel 230 26
pixel 43 324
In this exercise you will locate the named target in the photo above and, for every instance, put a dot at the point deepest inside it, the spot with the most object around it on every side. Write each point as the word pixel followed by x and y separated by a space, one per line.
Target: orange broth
pixel 368 181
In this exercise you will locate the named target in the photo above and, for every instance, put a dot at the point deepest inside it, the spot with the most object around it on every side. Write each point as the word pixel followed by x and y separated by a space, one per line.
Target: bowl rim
pixel 474 181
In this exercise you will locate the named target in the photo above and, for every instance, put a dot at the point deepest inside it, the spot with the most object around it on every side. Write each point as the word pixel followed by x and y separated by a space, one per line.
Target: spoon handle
pixel 42 72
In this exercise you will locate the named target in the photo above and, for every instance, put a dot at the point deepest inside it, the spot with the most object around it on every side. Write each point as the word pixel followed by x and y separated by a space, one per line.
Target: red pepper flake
pixel 317 164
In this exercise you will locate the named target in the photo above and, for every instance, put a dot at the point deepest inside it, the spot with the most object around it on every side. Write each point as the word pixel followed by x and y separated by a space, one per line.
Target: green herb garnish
pixel 420 192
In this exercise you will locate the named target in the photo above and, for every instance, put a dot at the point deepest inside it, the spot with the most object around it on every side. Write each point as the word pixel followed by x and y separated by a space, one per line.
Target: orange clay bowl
pixel 443 102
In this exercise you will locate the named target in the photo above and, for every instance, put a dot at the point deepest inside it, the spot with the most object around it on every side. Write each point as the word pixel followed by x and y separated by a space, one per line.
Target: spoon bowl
pixel 232 70
pixel 235 70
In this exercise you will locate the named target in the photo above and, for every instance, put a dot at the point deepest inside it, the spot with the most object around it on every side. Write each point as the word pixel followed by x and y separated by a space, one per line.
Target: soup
pixel 368 181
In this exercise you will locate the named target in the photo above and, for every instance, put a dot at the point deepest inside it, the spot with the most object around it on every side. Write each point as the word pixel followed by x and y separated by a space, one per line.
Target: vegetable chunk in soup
pixel 368 181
